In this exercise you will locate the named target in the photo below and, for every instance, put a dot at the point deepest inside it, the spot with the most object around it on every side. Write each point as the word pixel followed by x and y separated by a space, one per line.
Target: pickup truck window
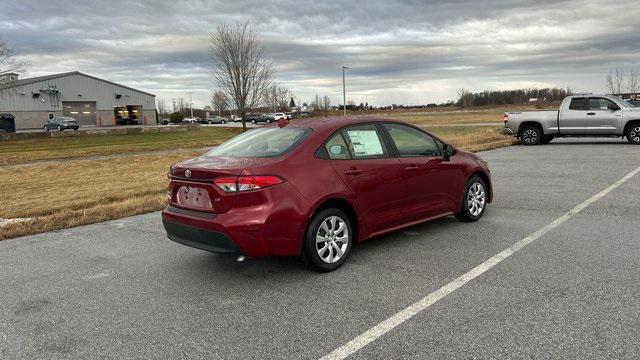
pixel 578 104
pixel 600 104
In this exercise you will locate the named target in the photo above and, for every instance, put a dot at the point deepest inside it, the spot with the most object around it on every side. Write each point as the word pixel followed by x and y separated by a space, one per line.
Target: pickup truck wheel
pixel 547 139
pixel 474 200
pixel 633 134
pixel 531 135
pixel 253 121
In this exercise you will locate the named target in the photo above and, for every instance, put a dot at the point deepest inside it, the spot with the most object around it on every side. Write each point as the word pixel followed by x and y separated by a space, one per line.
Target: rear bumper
pixel 261 223
pixel 214 241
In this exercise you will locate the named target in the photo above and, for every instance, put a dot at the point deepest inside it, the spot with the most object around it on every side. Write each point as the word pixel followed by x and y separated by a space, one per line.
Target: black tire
pixel 46 128
pixel 310 246
pixel 223 122
pixel 547 139
pixel 253 121
pixel 268 121
pixel 60 128
pixel 465 213
pixel 531 135
pixel 633 134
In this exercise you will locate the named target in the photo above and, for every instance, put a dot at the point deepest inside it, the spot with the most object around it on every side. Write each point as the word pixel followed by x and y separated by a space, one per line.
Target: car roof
pixel 335 122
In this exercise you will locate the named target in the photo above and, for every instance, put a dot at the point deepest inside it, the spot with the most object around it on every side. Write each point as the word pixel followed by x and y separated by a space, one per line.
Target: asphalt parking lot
pixel 120 289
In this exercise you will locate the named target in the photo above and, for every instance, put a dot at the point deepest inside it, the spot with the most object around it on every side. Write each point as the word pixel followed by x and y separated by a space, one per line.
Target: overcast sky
pixel 410 52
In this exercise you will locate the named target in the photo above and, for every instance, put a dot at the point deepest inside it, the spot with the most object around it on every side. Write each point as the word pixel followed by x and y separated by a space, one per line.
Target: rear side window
pixel 337 148
pixel 578 104
pixel 364 142
pixel 411 142
pixel 264 142
pixel 600 104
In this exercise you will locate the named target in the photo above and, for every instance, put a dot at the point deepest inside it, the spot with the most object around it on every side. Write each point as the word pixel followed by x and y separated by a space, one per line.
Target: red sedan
pixel 316 187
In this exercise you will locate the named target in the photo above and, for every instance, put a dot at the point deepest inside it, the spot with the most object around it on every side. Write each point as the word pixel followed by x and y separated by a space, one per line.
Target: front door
pixel 431 181
pixel 573 120
pixel 361 158
pixel 601 119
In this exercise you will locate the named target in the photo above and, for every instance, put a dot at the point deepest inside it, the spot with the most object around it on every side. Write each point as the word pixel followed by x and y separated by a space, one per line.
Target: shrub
pixel 176 117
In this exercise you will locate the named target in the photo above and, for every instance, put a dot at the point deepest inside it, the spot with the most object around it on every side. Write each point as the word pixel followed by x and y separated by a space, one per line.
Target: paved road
pixel 119 289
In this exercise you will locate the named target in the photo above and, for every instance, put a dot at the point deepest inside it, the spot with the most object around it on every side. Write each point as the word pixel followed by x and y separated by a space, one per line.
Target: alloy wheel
pixel 476 199
pixel 530 136
pixel 332 239
pixel 634 134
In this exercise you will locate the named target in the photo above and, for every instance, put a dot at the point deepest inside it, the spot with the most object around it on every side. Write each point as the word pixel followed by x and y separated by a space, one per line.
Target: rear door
pixel 573 118
pixel 432 183
pixel 601 119
pixel 361 158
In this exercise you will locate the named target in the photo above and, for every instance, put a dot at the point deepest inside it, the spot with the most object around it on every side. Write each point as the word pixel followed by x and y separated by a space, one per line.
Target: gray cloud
pixel 399 51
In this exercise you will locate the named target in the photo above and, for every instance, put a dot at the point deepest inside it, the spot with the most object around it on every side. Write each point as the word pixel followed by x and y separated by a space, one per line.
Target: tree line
pixel 467 98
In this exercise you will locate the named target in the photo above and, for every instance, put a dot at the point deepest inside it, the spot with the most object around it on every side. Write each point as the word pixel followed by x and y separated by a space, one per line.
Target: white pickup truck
pixel 579 115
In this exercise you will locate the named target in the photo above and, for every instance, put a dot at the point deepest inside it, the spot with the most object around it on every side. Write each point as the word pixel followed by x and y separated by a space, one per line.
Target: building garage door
pixel 83 111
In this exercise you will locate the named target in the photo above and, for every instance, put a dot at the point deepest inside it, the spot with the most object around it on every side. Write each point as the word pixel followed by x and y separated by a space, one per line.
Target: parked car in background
pixel 256 118
pixel 165 121
pixel 61 123
pixel 315 188
pixel 279 116
pixel 126 121
pixel 235 118
pixel 190 120
pixel 289 116
pixel 215 120
pixel 579 115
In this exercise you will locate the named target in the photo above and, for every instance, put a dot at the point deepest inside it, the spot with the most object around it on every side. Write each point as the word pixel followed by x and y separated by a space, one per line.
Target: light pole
pixel 191 104
pixel 344 93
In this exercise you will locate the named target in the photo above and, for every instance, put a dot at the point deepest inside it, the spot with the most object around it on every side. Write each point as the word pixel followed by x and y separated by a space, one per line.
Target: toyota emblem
pixel 187 173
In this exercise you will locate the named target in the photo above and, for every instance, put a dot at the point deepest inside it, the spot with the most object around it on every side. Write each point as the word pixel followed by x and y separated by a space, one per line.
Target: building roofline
pixel 36 79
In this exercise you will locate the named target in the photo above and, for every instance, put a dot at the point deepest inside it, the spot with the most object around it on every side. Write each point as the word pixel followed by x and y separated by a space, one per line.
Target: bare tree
pixel 162 106
pixel 8 61
pixel 465 98
pixel 633 80
pixel 219 101
pixel 326 102
pixel 615 79
pixel 241 69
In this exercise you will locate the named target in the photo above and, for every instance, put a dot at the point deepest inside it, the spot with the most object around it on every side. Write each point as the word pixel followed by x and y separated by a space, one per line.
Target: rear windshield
pixel 265 142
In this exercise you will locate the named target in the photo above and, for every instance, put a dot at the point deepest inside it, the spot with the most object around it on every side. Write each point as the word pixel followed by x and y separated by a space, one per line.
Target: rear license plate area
pixel 193 197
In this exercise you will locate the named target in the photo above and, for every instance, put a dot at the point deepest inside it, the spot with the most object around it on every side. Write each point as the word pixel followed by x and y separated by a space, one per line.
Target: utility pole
pixel 344 93
pixel 190 104
pixel 173 100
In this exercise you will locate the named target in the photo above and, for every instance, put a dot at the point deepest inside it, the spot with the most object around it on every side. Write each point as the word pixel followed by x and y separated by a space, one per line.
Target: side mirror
pixel 613 107
pixel 447 152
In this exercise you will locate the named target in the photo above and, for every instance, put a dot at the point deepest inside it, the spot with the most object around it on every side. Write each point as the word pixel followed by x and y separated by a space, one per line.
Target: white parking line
pixel 382 328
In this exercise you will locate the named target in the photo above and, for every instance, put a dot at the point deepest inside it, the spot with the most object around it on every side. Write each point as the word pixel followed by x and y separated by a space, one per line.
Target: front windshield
pixel 624 103
pixel 264 142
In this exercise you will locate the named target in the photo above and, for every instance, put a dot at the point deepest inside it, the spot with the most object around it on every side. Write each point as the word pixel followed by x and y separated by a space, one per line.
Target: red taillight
pixel 246 183
pixel 505 119
pixel 228 184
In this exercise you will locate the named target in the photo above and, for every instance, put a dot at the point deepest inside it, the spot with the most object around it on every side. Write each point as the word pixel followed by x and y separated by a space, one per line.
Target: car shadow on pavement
pixel 227 265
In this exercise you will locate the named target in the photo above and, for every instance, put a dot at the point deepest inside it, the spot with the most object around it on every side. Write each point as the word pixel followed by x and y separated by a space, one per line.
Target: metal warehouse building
pixel 88 99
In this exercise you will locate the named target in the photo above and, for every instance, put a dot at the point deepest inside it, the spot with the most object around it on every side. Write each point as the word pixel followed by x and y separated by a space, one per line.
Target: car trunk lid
pixel 192 182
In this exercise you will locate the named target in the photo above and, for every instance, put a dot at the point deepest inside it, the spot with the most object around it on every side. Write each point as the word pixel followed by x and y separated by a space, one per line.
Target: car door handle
pixel 352 171
pixel 591 113
pixel 411 168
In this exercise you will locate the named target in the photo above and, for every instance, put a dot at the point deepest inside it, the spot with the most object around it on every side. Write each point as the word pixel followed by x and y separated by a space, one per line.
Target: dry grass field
pixel 82 189
pixel 23 151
